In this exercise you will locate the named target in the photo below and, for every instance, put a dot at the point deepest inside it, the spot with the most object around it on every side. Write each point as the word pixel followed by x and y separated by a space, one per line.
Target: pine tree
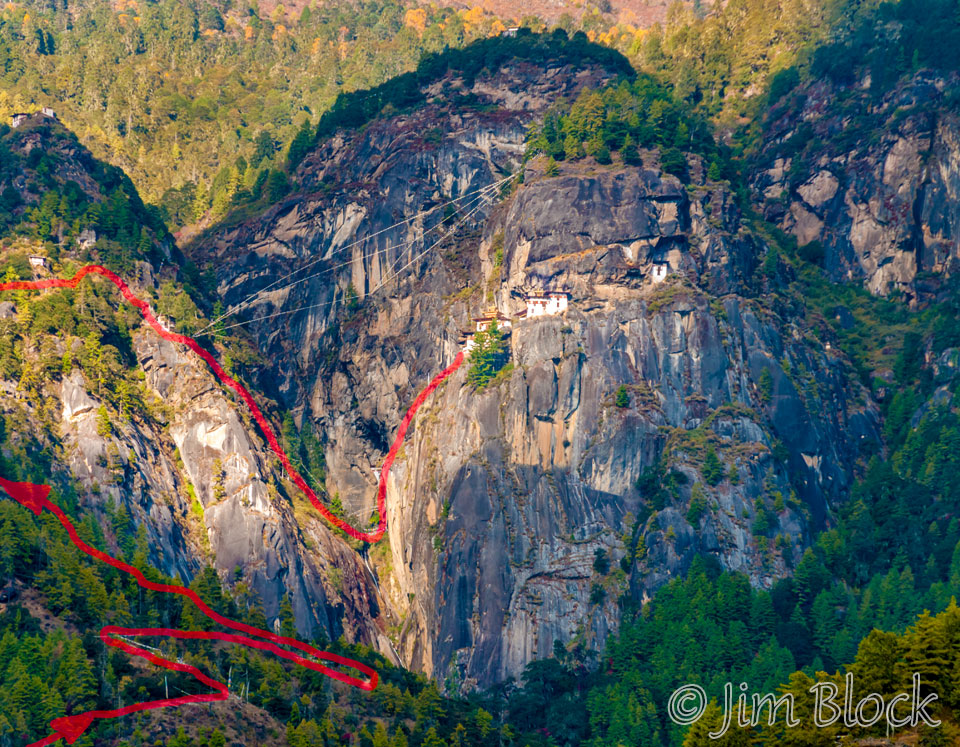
pixel 810 578
pixel 300 146
pixel 74 680
pixel 104 426
pixel 825 624
pixel 428 706
pixel 623 398
pixel 380 736
pixel 201 202
pixel 287 627
pixel 629 152
pixel 929 651
pixel 8 649
pixel 765 385
pixel 145 244
pixel 17 696
pixel 711 721
pixel 573 148
pixel 712 467
pixel 432 739
pixel 487 356
pixel 64 595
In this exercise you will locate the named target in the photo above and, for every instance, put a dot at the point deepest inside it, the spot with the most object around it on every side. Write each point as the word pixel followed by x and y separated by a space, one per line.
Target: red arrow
pixel 27 494
pixel 70 728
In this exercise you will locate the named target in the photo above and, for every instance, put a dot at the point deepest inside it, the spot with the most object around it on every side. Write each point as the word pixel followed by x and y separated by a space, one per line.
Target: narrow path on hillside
pixel 35 498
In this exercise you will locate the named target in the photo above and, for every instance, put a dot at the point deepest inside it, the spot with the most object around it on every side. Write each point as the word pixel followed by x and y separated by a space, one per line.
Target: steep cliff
pixel 872 176
pixel 198 483
pixel 518 513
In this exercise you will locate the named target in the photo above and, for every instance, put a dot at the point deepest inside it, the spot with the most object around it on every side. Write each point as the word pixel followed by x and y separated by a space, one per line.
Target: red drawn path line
pixel 69 728
pixel 271 437
pixel 34 497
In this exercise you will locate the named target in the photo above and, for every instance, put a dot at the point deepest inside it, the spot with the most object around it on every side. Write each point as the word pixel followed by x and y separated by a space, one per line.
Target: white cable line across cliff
pixel 252 298
pixel 337 266
pixel 333 301
pixel 271 288
pixel 374 290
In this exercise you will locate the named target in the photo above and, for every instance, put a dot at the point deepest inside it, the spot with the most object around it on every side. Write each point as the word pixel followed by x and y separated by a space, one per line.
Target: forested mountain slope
pixel 164 90
pixel 730 458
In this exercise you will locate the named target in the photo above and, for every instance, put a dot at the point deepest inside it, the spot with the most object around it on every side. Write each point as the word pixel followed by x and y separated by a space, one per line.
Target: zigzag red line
pixel 271 437
pixel 35 498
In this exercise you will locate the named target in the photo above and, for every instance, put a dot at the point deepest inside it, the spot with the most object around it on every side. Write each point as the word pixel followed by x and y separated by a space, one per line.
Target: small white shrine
pixel 482 323
pixel 490 316
pixel 546 303
pixel 660 271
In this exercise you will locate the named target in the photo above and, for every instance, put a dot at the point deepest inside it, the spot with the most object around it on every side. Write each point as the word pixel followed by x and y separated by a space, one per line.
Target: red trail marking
pixel 34 497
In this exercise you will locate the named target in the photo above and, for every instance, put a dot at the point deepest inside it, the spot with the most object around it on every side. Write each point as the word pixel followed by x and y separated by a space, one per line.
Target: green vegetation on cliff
pixel 889 553
pixel 624 117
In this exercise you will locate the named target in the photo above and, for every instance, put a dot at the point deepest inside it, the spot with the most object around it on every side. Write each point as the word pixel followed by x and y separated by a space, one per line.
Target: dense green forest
pixel 624 117
pixel 164 89
pixel 733 62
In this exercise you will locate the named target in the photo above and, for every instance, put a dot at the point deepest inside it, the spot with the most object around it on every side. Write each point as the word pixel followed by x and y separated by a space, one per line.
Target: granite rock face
pixel 506 495
pixel 874 179
pixel 201 485
pixel 517 514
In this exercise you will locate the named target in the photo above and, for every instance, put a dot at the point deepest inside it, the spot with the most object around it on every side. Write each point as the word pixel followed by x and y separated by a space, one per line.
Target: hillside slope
pixel 98 404
pixel 507 496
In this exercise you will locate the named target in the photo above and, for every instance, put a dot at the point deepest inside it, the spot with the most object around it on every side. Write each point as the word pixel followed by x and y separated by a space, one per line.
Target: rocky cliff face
pixel 743 426
pixel 194 484
pixel 873 178
pixel 246 524
pixel 671 409
pixel 506 495
pixel 202 487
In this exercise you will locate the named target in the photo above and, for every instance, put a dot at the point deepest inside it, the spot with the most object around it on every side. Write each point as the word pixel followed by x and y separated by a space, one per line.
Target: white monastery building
pixel 546 303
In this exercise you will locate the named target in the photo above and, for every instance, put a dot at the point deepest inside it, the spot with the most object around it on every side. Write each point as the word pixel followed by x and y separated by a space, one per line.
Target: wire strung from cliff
pixel 272 287
pixel 387 278
pixel 476 201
